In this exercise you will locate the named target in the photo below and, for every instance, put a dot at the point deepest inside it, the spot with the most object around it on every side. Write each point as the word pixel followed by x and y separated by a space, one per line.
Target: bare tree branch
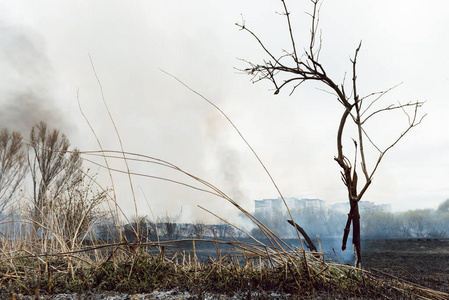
pixel 381 93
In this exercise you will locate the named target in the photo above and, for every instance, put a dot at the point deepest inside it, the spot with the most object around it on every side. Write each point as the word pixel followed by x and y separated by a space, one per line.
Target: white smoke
pixel 26 92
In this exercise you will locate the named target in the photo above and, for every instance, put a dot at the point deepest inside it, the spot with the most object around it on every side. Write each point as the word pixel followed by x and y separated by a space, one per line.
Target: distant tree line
pixel 419 223
pixel 163 228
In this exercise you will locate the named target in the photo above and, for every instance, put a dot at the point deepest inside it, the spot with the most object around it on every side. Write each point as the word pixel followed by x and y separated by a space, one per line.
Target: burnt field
pixel 228 267
pixel 421 261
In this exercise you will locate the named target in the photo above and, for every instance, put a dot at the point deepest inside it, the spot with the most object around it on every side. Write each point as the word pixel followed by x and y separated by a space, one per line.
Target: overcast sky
pixel 44 63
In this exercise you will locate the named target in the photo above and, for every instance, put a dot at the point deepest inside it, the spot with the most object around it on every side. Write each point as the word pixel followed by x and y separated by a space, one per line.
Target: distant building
pixel 270 206
pixel 364 206
pixel 311 204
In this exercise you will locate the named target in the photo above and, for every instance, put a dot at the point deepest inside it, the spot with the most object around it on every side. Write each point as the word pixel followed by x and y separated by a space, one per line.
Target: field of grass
pixel 250 269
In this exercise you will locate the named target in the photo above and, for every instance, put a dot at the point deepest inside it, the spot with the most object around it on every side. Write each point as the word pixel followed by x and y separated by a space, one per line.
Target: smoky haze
pixel 44 61
pixel 27 82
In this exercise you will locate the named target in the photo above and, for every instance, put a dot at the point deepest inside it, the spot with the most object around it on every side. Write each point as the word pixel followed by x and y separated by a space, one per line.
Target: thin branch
pixel 313 29
pixel 287 15
pixel 381 94
pixel 369 139
pixel 412 124
pixel 243 27
pixel 392 107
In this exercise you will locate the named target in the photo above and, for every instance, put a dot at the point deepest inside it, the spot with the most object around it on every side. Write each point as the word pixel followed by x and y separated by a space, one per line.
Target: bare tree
pixel 13 166
pixel 293 68
pixel 53 167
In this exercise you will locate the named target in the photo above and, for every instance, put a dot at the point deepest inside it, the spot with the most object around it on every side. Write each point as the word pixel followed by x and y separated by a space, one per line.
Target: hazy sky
pixel 44 61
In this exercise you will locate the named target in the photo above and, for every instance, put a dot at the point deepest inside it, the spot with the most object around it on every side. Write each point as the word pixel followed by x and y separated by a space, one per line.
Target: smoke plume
pixel 27 82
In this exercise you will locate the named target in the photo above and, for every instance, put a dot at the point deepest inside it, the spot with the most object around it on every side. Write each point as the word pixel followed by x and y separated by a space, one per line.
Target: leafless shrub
pixel 54 169
pixel 75 211
pixel 13 166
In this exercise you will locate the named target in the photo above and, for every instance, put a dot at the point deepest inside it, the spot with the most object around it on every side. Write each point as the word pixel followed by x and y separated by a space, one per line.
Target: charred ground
pixel 421 261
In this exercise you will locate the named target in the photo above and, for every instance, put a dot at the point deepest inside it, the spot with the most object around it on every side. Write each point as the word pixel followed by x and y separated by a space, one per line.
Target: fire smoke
pixel 26 93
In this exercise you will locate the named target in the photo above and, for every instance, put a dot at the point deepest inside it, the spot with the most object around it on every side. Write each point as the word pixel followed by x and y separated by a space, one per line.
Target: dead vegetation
pixel 146 267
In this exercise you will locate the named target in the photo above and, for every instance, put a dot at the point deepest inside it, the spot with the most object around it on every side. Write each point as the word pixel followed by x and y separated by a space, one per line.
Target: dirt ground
pixel 421 261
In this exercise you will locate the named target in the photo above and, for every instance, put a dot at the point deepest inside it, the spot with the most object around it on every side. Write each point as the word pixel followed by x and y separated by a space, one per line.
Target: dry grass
pixel 146 267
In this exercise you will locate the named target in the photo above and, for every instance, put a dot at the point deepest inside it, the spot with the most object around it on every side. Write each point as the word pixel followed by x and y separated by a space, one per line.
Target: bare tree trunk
pixel 356 233
pixel 354 218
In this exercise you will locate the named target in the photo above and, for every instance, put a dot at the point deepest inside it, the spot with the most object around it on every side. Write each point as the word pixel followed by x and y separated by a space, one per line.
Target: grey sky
pixel 44 55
